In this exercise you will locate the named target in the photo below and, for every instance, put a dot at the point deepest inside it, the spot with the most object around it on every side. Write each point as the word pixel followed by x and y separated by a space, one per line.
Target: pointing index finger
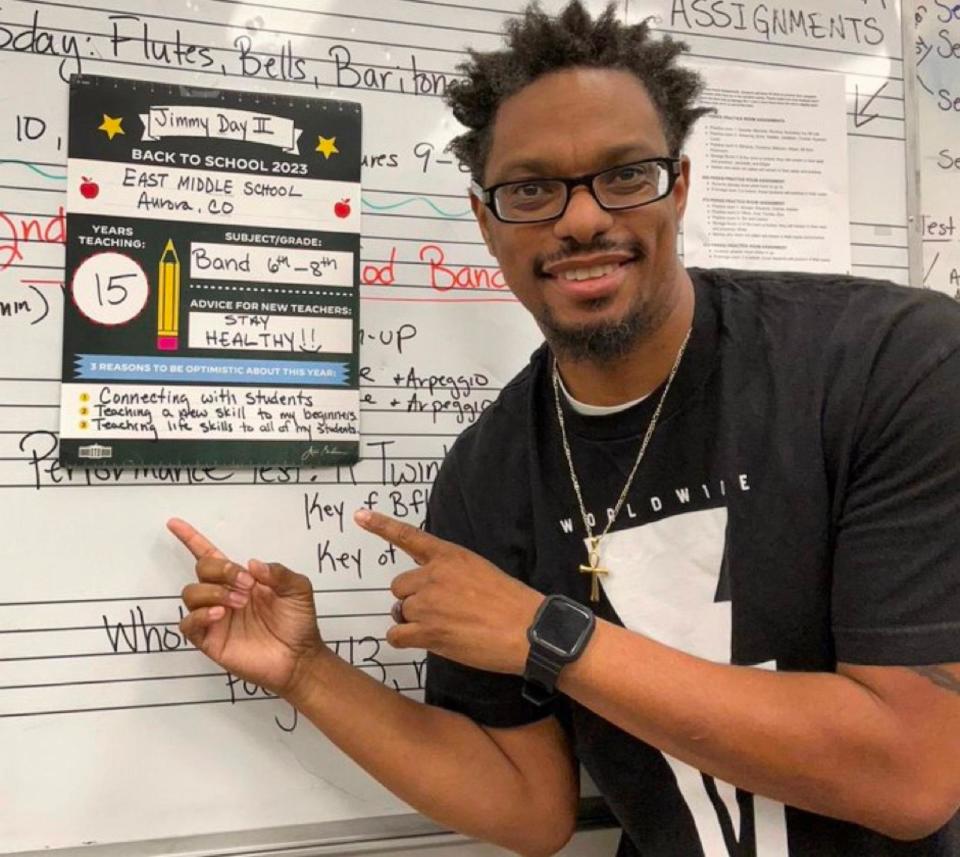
pixel 193 540
pixel 414 542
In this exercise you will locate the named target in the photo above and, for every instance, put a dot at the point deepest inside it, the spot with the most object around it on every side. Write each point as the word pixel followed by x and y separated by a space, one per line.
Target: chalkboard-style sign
pixel 212 262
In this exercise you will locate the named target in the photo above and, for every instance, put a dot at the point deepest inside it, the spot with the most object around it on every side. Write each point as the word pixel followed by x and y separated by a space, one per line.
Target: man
pixel 744 483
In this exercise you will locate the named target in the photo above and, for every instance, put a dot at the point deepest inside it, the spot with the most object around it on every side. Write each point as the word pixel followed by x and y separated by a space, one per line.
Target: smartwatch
pixel 558 635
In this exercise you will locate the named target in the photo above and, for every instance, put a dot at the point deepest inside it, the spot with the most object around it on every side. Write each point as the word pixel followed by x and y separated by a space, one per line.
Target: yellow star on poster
pixel 327 146
pixel 111 126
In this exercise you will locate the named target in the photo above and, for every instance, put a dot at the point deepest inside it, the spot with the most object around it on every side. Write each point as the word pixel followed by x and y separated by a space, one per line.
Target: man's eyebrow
pixel 538 167
pixel 527 167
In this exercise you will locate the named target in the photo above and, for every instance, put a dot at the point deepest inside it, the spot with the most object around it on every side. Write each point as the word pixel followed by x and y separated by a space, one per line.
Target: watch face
pixel 561 626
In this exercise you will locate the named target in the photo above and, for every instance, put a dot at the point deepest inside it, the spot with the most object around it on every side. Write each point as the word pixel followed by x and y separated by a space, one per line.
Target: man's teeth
pixel 589 273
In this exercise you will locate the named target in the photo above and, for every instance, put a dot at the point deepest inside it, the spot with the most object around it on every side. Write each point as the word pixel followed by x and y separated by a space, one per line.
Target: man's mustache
pixel 572 250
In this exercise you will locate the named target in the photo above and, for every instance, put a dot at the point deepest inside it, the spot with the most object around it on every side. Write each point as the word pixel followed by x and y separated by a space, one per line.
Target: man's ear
pixel 482 214
pixel 681 189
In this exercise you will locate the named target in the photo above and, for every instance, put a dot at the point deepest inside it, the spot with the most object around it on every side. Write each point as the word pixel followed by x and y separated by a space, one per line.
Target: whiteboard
pixel 937 67
pixel 106 714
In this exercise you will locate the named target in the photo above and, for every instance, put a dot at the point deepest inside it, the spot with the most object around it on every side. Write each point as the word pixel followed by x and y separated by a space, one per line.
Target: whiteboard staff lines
pixel 140 637
pixel 33 189
pixel 894 138
pixel 409 691
pixel 467 220
pixel 352 590
pixel 259 695
pixel 132 680
pixel 872 225
pixel 134 633
pixel 143 678
pixel 507 13
pixel 99 628
pixel 882 267
pixel 186 648
pixel 381 614
pixel 855 115
pixel 136 639
pixel 96 681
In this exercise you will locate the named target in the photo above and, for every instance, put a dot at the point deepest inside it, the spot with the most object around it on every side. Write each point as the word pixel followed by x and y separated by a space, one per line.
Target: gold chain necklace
pixel 593 551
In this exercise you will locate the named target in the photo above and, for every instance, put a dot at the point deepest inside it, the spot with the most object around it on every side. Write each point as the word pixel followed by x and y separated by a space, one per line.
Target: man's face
pixel 569 123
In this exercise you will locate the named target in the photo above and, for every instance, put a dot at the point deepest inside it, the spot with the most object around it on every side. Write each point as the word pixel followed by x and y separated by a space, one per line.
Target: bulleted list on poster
pixel 770 173
pixel 212 274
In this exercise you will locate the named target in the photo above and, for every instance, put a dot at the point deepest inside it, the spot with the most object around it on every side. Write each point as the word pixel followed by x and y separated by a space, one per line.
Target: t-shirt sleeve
pixel 896 575
pixel 491 699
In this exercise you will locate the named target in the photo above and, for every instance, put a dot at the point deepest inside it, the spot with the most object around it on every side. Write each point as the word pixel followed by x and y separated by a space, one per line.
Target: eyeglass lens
pixel 620 187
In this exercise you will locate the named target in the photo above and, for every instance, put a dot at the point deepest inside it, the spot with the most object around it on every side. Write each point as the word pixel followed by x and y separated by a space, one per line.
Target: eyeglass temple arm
pixel 479 192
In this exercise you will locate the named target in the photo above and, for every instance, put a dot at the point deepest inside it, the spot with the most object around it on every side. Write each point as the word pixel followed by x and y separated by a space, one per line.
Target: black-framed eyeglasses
pixel 536 200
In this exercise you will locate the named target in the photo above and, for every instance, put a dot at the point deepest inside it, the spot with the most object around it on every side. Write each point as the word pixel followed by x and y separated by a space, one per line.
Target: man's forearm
pixel 818 741
pixel 441 763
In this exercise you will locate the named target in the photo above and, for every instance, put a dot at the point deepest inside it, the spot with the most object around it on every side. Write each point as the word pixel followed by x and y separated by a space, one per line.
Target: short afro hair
pixel 538 44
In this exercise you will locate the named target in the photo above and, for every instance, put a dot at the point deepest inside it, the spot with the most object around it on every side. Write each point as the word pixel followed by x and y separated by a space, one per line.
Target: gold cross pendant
pixel 593 557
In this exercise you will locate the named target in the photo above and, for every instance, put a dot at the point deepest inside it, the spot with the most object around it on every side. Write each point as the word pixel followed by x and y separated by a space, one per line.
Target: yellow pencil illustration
pixel 168 300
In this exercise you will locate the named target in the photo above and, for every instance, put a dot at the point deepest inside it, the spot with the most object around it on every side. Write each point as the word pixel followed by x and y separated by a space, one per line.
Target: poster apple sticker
pixel 213 269
pixel 89 189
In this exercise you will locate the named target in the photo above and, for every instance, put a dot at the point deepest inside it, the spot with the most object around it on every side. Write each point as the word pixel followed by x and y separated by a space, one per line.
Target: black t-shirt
pixel 796 507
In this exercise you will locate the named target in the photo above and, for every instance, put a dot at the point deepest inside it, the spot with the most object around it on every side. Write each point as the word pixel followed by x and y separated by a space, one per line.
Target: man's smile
pixel 591 276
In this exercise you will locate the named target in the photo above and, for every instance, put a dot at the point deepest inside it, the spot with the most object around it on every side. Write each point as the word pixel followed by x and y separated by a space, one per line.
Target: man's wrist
pixel 557 637
pixel 307 674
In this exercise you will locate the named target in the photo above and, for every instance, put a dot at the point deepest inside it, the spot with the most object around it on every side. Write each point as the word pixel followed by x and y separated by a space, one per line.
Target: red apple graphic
pixel 89 189
pixel 342 208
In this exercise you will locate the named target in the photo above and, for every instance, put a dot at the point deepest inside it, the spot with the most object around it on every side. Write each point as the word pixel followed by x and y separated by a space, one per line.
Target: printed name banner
pixel 212 271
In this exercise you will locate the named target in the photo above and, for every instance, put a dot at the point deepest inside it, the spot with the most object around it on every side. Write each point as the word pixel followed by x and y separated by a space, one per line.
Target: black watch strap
pixel 540 677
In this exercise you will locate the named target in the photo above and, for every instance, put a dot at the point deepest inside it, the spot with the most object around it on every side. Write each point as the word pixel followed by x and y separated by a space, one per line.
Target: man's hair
pixel 538 44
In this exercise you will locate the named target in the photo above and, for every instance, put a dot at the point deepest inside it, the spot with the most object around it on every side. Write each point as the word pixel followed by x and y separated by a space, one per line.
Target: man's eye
pixel 530 196
pixel 530 190
pixel 631 175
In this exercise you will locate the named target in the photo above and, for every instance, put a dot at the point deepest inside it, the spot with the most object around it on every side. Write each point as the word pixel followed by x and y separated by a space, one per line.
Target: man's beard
pixel 603 341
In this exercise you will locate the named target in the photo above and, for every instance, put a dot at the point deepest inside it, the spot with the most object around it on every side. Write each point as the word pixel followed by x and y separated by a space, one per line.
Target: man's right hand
pixel 258 623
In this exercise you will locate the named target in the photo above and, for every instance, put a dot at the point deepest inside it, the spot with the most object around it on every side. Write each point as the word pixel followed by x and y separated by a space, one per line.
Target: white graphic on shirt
pixel 663 583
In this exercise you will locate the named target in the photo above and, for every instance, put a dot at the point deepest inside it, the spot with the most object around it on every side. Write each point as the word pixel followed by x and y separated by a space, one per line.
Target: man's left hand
pixel 456 604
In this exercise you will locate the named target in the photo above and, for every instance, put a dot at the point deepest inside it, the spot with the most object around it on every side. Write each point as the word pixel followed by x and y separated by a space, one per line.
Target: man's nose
pixel 584 219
